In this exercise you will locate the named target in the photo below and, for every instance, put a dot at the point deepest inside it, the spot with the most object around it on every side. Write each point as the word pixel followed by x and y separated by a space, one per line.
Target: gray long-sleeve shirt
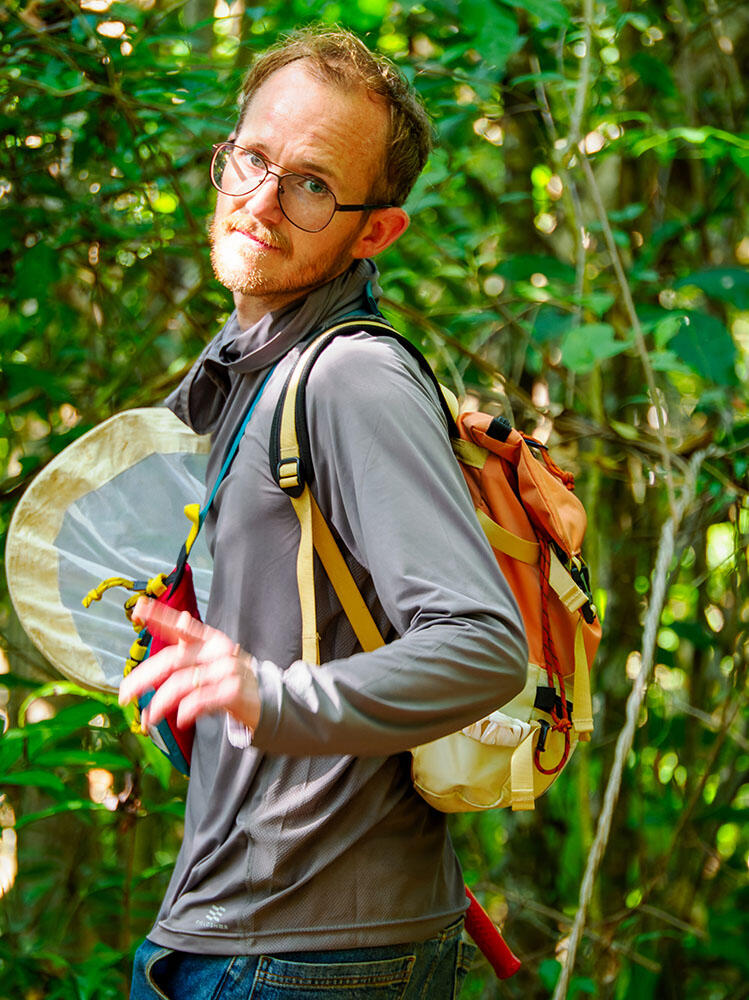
pixel 313 837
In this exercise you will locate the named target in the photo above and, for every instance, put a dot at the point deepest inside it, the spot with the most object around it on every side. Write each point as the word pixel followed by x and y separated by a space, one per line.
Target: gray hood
pixel 199 399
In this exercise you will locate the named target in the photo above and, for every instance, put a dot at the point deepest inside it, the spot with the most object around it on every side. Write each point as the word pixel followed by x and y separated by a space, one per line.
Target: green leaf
pixel 741 159
pixel 598 302
pixel 36 270
pixel 639 21
pixel 546 76
pixel 494 30
pixel 72 805
pixel 626 431
pixel 11 751
pixel 61 687
pixel 551 11
pixel 584 346
pixel 35 779
pixel 694 135
pixel 70 717
pixel 156 760
pixel 664 360
pixel 551 323
pixel 174 808
pixel 707 347
pixel 24 377
pixel 666 328
pixel 581 984
pixel 83 758
pixel 694 632
pixel 521 267
pixel 548 973
pixel 627 214
pixel 654 73
pixel 727 284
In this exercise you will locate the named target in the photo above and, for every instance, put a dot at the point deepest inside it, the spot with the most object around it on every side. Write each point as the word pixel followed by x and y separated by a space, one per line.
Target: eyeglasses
pixel 305 201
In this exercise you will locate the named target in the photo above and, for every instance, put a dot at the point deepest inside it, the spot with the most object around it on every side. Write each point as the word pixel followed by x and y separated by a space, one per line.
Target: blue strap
pixel 371 302
pixel 233 450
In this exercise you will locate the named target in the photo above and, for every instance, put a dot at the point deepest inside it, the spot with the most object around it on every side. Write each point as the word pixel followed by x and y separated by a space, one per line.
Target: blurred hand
pixel 202 671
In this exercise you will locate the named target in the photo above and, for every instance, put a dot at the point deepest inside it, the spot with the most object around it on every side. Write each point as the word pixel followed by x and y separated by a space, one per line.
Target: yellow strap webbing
pixel 504 541
pixel 571 596
pixel 352 602
pixel 522 794
pixel 451 399
pixel 469 453
pixel 315 534
pixel 582 706
pixel 289 458
pixel 343 584
pixel 288 441
pixel 305 577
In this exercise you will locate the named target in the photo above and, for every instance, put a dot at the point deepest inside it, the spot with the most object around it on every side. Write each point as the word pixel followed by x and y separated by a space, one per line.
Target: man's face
pixel 312 128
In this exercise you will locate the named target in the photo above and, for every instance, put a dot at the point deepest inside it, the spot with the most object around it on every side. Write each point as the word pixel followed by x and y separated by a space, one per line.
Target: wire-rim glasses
pixel 306 201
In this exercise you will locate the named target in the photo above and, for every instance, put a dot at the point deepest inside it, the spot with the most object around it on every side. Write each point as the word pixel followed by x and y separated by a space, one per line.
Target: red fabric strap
pixel 489 940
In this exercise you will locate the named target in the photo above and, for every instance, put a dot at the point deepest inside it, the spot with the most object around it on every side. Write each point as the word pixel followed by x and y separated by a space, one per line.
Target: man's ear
pixel 382 228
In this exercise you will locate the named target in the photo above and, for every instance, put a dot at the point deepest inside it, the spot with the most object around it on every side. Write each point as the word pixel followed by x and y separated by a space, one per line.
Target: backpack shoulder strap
pixel 289 450
pixel 291 466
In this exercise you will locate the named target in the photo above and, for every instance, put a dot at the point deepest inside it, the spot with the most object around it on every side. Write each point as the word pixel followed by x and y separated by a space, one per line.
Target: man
pixel 309 865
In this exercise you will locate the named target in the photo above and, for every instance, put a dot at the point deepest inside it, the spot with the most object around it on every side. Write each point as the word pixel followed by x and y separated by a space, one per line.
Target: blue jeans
pixel 431 970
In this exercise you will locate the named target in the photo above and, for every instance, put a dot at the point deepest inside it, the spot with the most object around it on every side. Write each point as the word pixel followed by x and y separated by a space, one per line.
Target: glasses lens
pixel 306 202
pixel 237 171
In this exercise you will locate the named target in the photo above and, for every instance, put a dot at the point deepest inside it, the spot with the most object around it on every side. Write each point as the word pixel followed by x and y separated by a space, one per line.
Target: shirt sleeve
pixel 387 480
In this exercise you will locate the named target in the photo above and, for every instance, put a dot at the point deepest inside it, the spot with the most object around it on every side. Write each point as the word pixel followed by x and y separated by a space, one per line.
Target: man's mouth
pixel 265 243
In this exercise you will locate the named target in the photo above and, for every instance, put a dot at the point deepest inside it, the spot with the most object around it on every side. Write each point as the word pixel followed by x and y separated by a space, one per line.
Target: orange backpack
pixel 535 525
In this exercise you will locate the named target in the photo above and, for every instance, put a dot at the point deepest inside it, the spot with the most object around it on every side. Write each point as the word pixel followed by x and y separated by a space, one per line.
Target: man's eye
pixel 248 160
pixel 311 186
pixel 255 160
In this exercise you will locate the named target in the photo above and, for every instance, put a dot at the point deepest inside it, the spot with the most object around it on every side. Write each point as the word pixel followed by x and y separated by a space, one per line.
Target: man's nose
pixel 263 202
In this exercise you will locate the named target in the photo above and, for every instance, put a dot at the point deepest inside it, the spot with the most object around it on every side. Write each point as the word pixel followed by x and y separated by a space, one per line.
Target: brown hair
pixel 339 57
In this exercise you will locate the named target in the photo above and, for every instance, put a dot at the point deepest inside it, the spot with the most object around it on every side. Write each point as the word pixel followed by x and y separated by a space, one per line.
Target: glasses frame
pixel 338 207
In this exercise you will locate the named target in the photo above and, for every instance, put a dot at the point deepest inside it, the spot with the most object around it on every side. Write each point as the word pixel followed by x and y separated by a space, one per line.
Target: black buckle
pixel 547 700
pixel 543 733
pixel 499 428
pixel 289 473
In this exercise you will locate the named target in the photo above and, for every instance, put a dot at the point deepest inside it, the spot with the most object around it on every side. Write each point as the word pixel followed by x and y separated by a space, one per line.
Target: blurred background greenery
pixel 578 259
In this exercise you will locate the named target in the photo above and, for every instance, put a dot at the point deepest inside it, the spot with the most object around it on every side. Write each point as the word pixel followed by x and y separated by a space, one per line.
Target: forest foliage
pixel 578 259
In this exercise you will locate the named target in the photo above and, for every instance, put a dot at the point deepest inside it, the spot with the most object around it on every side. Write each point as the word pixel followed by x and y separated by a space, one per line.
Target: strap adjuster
pixel 289 473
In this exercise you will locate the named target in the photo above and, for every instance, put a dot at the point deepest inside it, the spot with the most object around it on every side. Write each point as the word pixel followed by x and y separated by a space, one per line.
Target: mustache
pixel 247 224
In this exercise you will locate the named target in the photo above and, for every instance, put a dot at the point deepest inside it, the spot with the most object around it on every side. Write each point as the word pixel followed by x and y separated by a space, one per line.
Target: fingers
pixel 194 687
pixel 151 673
pixel 170 625
pixel 191 642
pixel 227 685
pixel 221 695
pixel 201 671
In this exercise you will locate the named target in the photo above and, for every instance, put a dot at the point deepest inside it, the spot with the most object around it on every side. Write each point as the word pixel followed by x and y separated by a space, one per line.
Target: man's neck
pixel 251 309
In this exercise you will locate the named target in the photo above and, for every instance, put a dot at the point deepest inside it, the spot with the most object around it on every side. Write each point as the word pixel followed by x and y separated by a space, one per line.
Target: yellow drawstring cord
pixel 192 513
pixel 137 654
pixel 98 592
pixel 154 588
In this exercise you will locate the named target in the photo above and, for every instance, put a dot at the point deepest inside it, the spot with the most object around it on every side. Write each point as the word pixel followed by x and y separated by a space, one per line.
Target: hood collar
pixel 199 399
pixel 243 351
